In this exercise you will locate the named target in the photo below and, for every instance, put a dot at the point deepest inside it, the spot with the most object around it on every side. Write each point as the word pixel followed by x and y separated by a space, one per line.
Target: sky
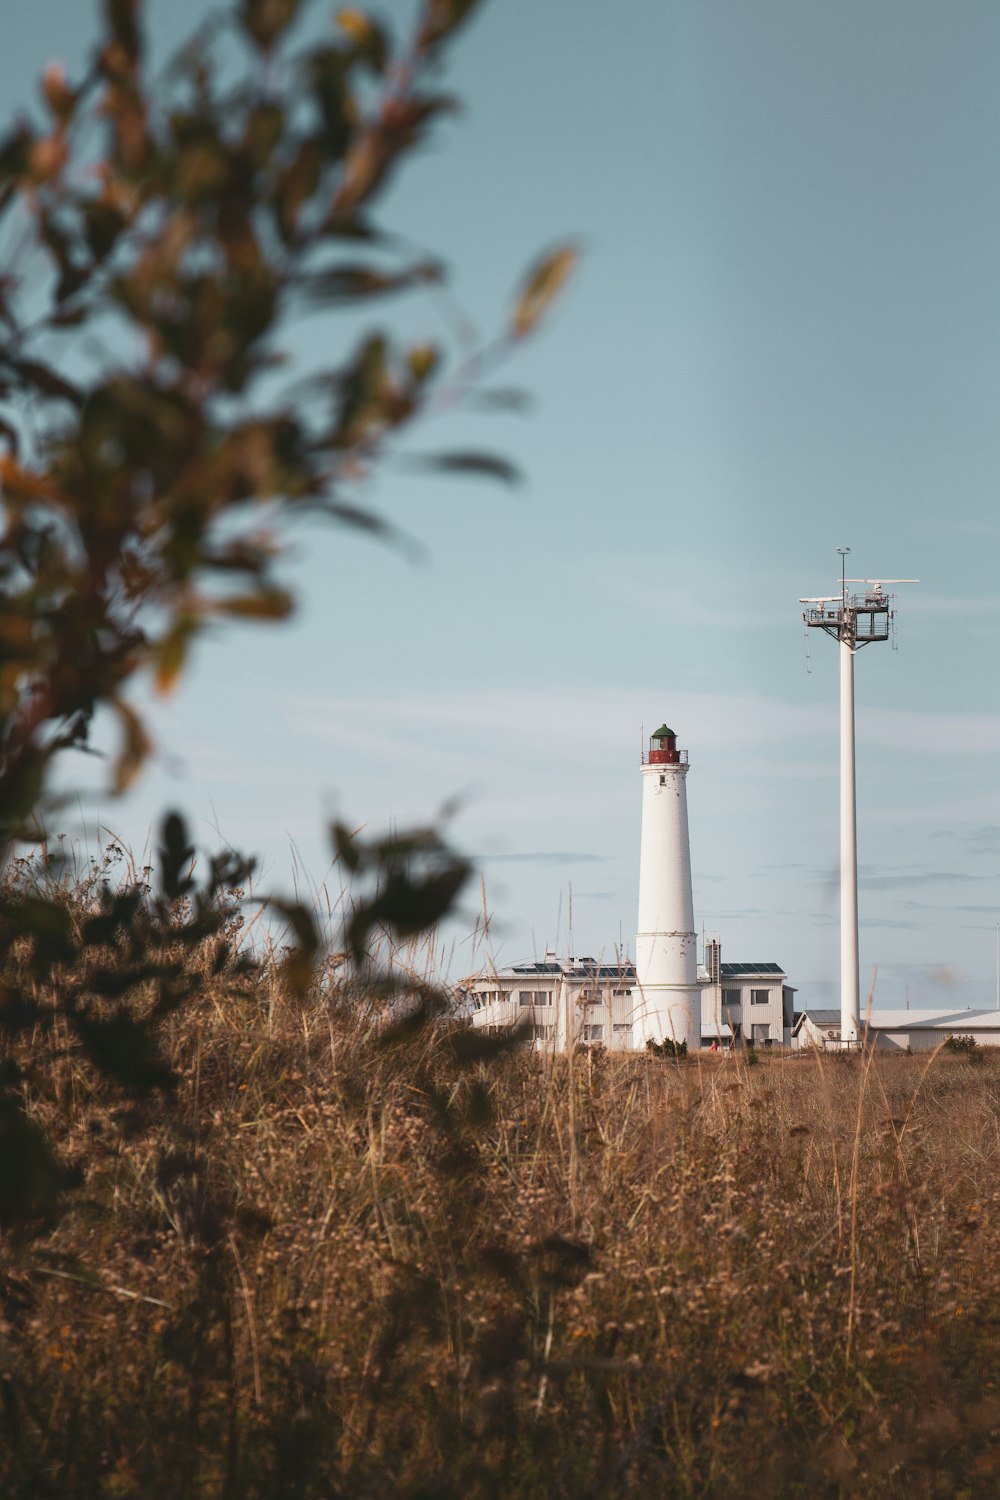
pixel 784 338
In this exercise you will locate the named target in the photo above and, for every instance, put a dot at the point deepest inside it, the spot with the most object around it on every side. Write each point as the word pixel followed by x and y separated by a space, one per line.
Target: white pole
pixel 850 1020
pixel 998 966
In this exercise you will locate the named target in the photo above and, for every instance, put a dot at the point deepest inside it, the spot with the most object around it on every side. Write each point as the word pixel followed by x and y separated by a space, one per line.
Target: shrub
pixel 667 1048
pixel 965 1046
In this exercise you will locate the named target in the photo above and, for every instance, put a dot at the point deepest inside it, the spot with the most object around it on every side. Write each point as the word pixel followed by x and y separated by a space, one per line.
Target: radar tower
pixel 854 619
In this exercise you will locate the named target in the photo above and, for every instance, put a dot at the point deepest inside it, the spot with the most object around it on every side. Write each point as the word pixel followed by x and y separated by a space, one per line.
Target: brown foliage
pixel 350 1262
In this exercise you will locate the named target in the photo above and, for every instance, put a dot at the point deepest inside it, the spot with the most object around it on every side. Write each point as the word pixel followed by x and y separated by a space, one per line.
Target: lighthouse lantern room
pixel 663 749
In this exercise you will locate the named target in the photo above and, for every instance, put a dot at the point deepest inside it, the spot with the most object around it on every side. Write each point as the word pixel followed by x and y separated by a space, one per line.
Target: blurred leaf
pixel 176 855
pixel 264 129
pixel 102 225
pixel 349 283
pixel 367 35
pixel 408 118
pixel 124 1050
pixel 423 360
pixel 223 953
pixel 32 1179
pixel 229 869
pixel 329 76
pixel 298 966
pixel 267 604
pixel 173 989
pixel 100 930
pixel 17 1014
pixel 23 780
pixel 23 484
pixel 403 846
pixel 542 284
pixel 479 1106
pixel 301 921
pixel 364 520
pixel 362 386
pixel 135 748
pixel 111 984
pixel 265 21
pixel 46 381
pixel 122 18
pixel 345 845
pixel 58 95
pixel 561 1263
pixel 73 274
pixel 483 465
pixel 407 1027
pixel 15 152
pixel 406 905
pixel 48 923
pixel 473 1046
pixel 171 654
pixel 442 17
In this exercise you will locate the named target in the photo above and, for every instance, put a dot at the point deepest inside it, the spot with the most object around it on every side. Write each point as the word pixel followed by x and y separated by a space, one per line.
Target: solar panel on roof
pixel 732 970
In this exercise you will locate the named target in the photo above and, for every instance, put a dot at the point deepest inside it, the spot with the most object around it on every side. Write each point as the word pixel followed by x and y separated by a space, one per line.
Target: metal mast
pixel 854 620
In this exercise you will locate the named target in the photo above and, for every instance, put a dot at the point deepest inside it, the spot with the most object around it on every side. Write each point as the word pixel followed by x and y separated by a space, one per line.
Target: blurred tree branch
pixel 185 221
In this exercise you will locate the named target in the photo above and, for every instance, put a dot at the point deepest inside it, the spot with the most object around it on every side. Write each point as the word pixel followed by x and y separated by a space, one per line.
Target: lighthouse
pixel 666 962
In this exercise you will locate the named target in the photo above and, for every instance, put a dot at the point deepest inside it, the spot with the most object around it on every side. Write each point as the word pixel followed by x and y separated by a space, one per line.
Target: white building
pixel 563 1002
pixel 749 1002
pixel 901 1030
pixel 576 1000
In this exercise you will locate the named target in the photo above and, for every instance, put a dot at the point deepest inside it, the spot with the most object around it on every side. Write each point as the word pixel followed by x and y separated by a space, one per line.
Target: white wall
pixel 564 1009
pixel 768 1016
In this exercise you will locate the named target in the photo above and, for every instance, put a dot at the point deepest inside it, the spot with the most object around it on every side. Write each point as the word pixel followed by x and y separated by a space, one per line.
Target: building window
pixel 590 997
pixel 541 1033
pixel 731 997
pixel 620 992
pixel 526 997
pixel 593 1033
pixel 534 997
pixel 759 997
pixel 622 1030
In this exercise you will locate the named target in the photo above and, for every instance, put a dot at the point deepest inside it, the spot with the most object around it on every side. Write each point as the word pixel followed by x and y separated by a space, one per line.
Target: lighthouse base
pixel 667 1011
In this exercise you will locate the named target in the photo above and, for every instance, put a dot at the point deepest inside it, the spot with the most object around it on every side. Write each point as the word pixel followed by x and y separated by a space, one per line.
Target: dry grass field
pixel 349 1262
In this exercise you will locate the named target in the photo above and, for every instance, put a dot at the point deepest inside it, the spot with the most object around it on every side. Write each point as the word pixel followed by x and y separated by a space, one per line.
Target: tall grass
pixel 351 1259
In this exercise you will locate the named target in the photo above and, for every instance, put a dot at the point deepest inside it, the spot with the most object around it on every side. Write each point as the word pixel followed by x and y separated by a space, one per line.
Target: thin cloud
pixel 544 857
pixel 911 880
pixel 909 731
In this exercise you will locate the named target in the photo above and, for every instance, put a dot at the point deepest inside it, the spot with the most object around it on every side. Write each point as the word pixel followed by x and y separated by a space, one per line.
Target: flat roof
pixel 934 1020
pixel 924 1019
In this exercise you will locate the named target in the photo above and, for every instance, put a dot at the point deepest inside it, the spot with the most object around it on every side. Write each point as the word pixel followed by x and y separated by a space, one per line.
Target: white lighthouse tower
pixel 666 955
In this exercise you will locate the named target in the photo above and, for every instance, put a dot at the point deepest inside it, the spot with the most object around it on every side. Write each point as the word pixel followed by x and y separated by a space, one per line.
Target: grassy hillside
pixel 342 1262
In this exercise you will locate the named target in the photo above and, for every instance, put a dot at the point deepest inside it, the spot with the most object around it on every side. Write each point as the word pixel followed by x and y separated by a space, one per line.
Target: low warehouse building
pixel 900 1030
pixel 921 1030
